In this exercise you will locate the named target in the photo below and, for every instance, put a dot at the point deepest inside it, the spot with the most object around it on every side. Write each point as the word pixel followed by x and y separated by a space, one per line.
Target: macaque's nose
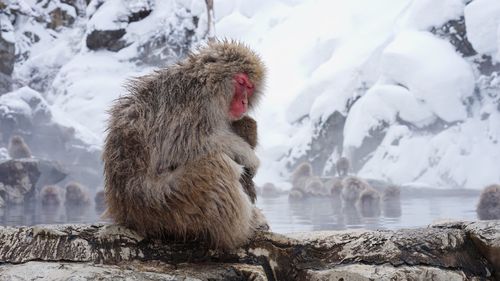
pixel 244 100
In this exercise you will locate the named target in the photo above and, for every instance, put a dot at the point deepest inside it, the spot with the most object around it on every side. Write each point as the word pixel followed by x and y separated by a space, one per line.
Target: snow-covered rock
pixel 432 72
pixel 482 19
pixel 63 62
pixel 395 85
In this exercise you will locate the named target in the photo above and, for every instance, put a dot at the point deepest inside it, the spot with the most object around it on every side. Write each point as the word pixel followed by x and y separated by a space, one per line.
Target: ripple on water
pixel 327 214
pixel 283 216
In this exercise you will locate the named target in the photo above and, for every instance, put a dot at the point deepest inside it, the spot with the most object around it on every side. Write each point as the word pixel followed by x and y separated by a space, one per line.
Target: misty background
pixel 408 90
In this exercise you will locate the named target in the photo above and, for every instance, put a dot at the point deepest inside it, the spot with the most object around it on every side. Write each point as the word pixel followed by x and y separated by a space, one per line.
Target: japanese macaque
pixel 391 198
pixel 76 195
pixel 246 128
pixel 392 192
pixel 343 166
pixel 488 207
pixel 172 163
pixel 50 195
pixel 335 186
pixel 300 176
pixel 18 148
pixel 99 201
pixel 315 187
pixel 352 188
pixel 369 203
pixel 295 195
pixel 270 190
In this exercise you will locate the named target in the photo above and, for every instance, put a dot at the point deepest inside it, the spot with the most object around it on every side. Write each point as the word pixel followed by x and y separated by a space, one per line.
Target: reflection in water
pixel 31 213
pixel 325 213
pixel 284 216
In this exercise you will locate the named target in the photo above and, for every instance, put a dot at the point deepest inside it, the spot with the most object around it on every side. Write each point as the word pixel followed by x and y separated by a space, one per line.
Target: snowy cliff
pixel 408 90
pixel 64 61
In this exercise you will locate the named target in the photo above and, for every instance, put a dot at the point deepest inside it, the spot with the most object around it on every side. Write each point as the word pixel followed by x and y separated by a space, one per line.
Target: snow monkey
pixel 246 128
pixel 300 175
pixel 50 195
pixel 18 148
pixel 76 195
pixel 369 203
pixel 172 162
pixel 488 207
pixel 343 166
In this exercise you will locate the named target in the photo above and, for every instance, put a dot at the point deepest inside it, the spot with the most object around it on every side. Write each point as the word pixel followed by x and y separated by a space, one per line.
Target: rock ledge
pixel 444 251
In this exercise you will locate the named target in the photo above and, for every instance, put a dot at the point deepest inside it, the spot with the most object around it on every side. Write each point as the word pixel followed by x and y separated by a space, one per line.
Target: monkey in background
pixel 50 195
pixel 391 193
pixel 246 128
pixel 369 203
pixel 315 187
pixel 488 207
pixel 335 187
pixel 391 197
pixel 343 165
pixel 172 163
pixel 99 201
pixel 76 195
pixel 18 148
pixel 352 188
pixel 300 175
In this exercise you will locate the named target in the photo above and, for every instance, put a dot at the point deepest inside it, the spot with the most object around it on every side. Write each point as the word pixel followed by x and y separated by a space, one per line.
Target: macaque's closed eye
pixel 243 89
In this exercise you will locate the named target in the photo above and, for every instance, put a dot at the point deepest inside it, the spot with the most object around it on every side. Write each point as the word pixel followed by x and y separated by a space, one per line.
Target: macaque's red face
pixel 243 90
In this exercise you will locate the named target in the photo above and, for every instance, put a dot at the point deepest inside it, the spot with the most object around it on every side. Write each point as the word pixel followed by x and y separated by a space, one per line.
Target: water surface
pixel 284 216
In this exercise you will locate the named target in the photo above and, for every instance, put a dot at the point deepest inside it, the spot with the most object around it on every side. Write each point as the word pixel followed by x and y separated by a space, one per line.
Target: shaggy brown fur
pixel 343 165
pixel 315 187
pixel 488 207
pixel 18 148
pixel 369 203
pixel 246 128
pixel 300 176
pixel 335 187
pixel 99 201
pixel 392 192
pixel 76 195
pixel 172 163
pixel 352 188
pixel 295 195
pixel 50 195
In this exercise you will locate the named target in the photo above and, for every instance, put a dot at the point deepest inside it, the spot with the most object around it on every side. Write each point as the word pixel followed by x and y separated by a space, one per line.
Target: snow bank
pixel 431 69
pixel 482 20
pixel 380 106
pixel 424 14
pixel 19 101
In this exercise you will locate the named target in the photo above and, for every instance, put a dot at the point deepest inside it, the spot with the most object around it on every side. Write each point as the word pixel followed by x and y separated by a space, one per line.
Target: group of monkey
pixel 352 192
pixel 73 194
pixel 179 155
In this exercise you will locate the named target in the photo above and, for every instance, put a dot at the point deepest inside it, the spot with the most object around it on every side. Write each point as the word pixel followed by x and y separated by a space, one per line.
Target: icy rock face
pixel 7 54
pixel 422 106
pixel 63 62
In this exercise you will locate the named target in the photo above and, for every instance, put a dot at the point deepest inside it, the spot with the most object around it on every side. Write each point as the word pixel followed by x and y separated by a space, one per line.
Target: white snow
pixel 482 20
pixel 424 14
pixel 18 101
pixel 321 55
pixel 383 103
pixel 431 69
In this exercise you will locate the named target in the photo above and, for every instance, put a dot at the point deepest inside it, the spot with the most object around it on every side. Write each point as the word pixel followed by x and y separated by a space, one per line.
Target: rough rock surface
pixel 30 116
pixel 18 180
pixel 7 59
pixel 106 39
pixel 446 251
pixel 19 177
